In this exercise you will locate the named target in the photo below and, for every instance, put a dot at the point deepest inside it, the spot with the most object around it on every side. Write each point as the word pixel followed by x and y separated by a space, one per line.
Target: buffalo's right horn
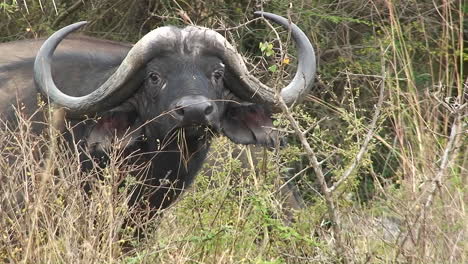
pixel 119 86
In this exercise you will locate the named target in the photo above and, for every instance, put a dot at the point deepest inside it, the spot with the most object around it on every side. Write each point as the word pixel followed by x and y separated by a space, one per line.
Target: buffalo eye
pixel 154 78
pixel 218 75
pixel 156 83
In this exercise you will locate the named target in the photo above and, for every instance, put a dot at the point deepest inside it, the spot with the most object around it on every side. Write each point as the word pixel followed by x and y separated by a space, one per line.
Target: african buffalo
pixel 173 81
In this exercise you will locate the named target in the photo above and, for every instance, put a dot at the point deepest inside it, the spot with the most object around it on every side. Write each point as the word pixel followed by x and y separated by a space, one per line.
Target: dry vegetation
pixel 379 151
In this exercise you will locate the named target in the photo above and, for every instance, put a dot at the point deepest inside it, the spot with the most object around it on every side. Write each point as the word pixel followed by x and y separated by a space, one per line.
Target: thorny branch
pixel 316 165
pixel 67 12
pixel 458 110
pixel 367 139
pixel 239 26
pixel 332 212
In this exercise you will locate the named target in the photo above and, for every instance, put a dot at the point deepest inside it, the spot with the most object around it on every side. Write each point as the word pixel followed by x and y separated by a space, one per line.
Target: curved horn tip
pixel 305 74
pixel 265 14
pixel 274 17
pixel 63 32
pixel 77 25
pixel 258 13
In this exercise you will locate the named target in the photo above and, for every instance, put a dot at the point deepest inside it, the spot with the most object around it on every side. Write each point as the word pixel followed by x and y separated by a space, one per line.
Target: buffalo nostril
pixel 209 109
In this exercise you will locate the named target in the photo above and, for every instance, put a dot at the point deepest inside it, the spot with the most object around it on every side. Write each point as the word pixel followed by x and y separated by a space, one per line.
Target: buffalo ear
pixel 248 124
pixel 115 128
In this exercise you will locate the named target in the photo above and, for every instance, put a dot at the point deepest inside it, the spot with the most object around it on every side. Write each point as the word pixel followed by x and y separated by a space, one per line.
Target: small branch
pixel 367 139
pixel 332 213
pixel 67 12
pixel 237 27
pixel 307 131
pixel 314 163
pixel 457 128
pixel 291 179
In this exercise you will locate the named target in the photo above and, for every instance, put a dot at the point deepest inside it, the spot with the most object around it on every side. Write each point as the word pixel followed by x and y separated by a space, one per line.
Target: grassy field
pixel 377 154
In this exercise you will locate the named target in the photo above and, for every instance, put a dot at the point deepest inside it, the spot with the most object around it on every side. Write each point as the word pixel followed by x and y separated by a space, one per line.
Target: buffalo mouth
pixel 197 131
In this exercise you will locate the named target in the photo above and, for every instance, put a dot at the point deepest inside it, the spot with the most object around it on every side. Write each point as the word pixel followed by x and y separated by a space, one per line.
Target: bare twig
pixel 367 139
pixel 316 165
pixel 291 179
pixel 334 216
pixel 239 26
pixel 458 128
pixel 67 12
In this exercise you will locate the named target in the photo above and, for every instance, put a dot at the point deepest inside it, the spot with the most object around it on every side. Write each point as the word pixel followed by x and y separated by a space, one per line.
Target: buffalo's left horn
pixel 248 87
pixel 306 68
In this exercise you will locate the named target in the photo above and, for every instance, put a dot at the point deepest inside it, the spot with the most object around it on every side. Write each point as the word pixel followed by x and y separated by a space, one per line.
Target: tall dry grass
pixel 399 198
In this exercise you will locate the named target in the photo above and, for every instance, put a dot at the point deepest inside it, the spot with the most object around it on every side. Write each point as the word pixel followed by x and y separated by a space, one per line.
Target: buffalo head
pixel 189 77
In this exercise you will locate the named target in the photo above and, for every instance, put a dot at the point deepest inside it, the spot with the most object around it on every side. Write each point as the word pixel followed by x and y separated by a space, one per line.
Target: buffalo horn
pixel 125 80
pixel 248 87
pixel 119 86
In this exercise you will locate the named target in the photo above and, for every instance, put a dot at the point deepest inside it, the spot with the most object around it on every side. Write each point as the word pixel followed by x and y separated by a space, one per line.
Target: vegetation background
pixel 379 177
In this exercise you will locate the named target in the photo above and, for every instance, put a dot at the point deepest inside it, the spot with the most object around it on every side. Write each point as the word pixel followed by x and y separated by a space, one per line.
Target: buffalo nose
pixel 194 109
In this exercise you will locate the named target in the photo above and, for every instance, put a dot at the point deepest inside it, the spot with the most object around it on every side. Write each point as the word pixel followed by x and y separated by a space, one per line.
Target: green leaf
pixel 266 48
pixel 273 68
